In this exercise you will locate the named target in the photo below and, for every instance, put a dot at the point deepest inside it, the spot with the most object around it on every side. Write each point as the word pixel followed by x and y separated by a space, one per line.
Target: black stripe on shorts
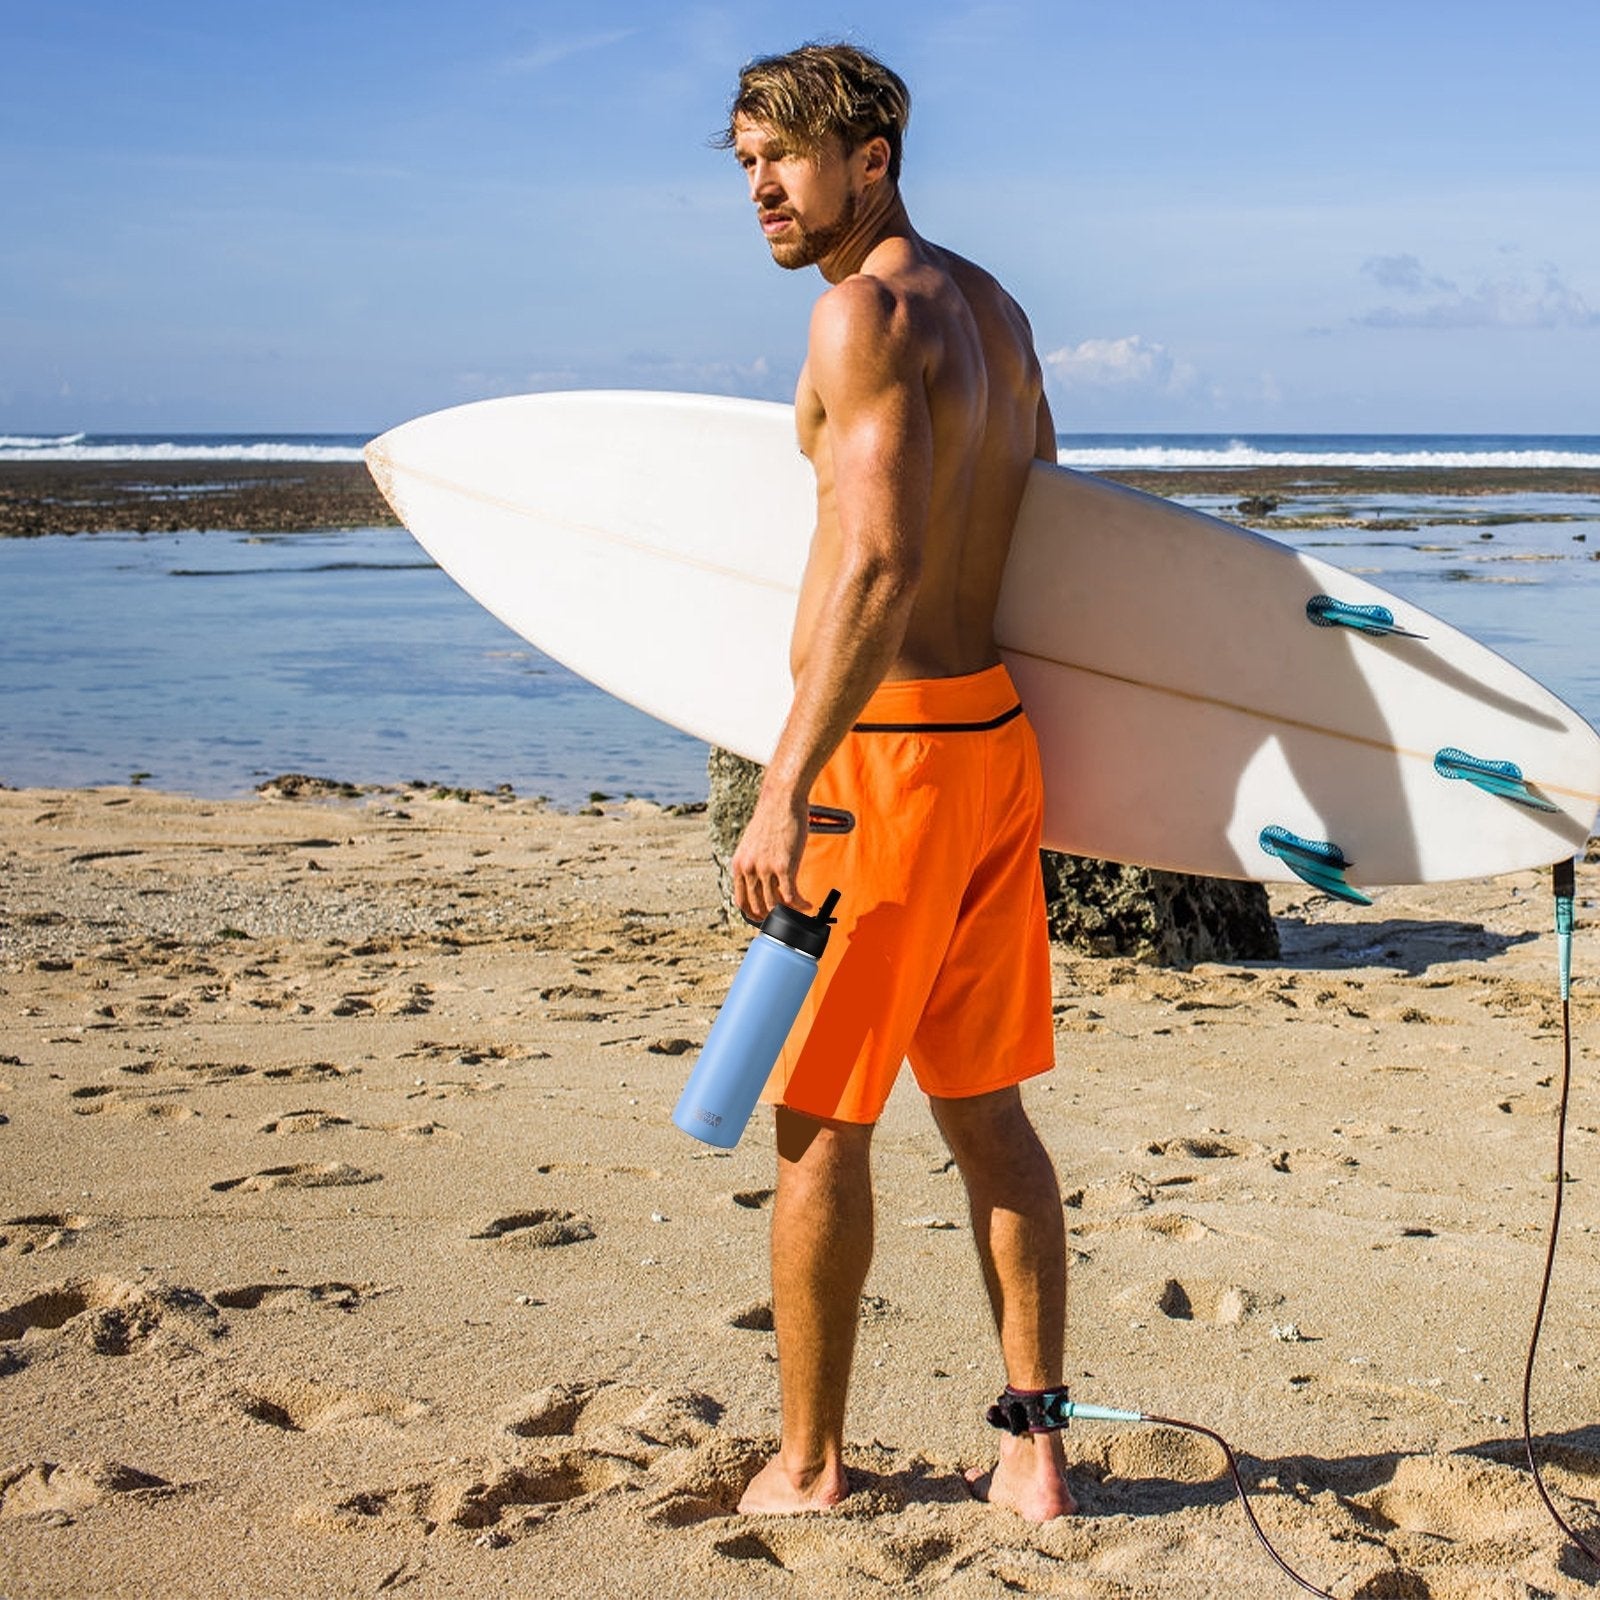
pixel 939 727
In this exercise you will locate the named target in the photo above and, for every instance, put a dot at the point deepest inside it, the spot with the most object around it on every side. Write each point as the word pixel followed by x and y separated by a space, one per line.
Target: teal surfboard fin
pixel 1503 778
pixel 1319 862
pixel 1378 621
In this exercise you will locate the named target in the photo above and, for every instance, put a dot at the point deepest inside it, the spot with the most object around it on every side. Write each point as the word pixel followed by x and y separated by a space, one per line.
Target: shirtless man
pixel 905 774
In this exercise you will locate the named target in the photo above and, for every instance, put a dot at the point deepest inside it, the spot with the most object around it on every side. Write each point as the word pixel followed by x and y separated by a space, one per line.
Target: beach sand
pixel 346 1247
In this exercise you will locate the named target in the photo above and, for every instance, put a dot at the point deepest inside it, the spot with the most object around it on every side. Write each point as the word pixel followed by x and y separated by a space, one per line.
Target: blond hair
pixel 821 92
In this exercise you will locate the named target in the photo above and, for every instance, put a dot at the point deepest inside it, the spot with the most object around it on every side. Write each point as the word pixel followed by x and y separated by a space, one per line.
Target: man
pixel 920 407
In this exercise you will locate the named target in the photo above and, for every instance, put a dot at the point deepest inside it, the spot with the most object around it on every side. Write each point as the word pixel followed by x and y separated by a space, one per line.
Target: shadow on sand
pixel 1401 944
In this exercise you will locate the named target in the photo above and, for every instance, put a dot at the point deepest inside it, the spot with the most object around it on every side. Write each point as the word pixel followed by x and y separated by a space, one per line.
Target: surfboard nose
pixel 381 465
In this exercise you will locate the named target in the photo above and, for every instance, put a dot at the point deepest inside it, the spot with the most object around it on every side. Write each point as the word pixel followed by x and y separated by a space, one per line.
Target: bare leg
pixel 821 1248
pixel 1021 1239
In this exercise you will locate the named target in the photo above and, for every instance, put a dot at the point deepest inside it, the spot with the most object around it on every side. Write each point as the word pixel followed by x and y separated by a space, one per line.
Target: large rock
pixel 1168 918
pixel 1098 907
pixel 735 783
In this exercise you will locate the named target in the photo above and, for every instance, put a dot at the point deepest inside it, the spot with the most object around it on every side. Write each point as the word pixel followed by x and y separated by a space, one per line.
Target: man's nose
pixel 764 185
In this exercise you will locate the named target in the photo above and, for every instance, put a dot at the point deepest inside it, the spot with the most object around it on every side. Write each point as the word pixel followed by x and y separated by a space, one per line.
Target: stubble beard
pixel 807 246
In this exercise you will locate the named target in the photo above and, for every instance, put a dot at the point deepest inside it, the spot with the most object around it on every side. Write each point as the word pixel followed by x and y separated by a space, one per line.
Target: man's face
pixel 806 203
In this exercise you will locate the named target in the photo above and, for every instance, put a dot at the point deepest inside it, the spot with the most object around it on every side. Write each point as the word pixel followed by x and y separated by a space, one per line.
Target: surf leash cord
pixel 1564 877
pixel 1033 1411
pixel 1020 1411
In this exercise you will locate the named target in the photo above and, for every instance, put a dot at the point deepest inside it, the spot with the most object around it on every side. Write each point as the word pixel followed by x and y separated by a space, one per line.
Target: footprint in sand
pixel 160 1105
pixel 299 1406
pixel 253 1296
pixel 417 1001
pixel 309 1072
pixel 425 1129
pixel 1128 1191
pixel 204 1074
pixel 860 1563
pixel 55 1492
pixel 44 1230
pixel 856 1555
pixel 1173 1226
pixel 525 1492
pixel 110 1316
pixel 1457 1498
pixel 487 1495
pixel 311 1120
pixel 626 1416
pixel 1441 1525
pixel 318 1175
pixel 1125 1460
pixel 472 1055
pixel 454 1089
pixel 207 1072
pixel 1205 1147
pixel 708 1484
pixel 539 1230
pixel 1208 1300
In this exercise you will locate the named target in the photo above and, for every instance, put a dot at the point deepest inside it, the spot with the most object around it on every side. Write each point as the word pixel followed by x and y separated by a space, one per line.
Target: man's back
pixel 973 369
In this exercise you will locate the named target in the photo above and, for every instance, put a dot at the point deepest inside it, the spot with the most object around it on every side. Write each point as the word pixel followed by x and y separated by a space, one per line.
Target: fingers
pixel 766 865
pixel 746 898
pixel 789 890
pixel 758 891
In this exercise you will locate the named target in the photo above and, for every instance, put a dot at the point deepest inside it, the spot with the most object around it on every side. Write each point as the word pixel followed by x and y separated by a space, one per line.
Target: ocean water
pixel 181 446
pixel 1102 451
pixel 1089 451
pixel 210 661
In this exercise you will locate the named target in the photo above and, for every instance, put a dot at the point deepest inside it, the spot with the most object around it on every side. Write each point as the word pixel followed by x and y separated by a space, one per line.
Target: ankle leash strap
pixel 1020 1411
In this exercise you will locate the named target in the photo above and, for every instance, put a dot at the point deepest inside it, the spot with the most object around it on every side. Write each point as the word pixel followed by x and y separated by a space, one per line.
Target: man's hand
pixel 767 862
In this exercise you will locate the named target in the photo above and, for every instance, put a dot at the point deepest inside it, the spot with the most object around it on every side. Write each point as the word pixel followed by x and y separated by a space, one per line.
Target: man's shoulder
pixel 857 303
pixel 862 319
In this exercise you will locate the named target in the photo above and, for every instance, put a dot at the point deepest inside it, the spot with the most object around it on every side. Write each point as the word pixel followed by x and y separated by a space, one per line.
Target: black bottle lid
pixel 800 932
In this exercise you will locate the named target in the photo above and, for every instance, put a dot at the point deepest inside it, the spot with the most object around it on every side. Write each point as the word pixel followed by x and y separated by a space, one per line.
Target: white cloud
pixel 1517 300
pixel 1403 273
pixel 1133 362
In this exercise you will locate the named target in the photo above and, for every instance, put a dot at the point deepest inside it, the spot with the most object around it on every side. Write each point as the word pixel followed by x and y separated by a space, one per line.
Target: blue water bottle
pixel 772 981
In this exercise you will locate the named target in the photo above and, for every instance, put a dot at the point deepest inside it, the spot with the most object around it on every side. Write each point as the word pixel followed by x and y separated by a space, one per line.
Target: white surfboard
pixel 1206 699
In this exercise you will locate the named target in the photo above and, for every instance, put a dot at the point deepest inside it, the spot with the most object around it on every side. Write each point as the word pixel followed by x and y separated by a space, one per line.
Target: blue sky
pixel 1242 216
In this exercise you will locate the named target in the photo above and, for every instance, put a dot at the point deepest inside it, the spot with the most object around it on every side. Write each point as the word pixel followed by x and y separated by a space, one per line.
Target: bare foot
pixel 777 1492
pixel 1030 1478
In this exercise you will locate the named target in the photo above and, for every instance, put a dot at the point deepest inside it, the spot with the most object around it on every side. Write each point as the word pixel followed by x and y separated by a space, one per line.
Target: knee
pixel 808 1146
pixel 985 1129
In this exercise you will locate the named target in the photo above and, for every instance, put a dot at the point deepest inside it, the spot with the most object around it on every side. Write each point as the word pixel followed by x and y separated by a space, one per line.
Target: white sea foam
pixel 12 449
pixel 33 441
pixel 1098 455
pixel 1237 453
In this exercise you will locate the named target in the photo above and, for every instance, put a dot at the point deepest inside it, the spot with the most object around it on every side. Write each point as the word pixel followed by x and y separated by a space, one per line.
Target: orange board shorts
pixel 927 820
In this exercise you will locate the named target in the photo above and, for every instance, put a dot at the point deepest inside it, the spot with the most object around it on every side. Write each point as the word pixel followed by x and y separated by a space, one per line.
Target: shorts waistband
pixel 974 699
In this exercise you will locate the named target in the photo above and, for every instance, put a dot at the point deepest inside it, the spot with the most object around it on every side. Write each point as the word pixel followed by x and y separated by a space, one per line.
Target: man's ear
pixel 874 157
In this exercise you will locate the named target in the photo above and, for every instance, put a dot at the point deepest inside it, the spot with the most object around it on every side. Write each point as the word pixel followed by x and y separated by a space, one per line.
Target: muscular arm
pixel 868 373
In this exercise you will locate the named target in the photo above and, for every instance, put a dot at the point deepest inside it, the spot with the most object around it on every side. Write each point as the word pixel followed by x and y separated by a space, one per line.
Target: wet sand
pixel 346 1246
pixel 40 497
pixel 143 497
